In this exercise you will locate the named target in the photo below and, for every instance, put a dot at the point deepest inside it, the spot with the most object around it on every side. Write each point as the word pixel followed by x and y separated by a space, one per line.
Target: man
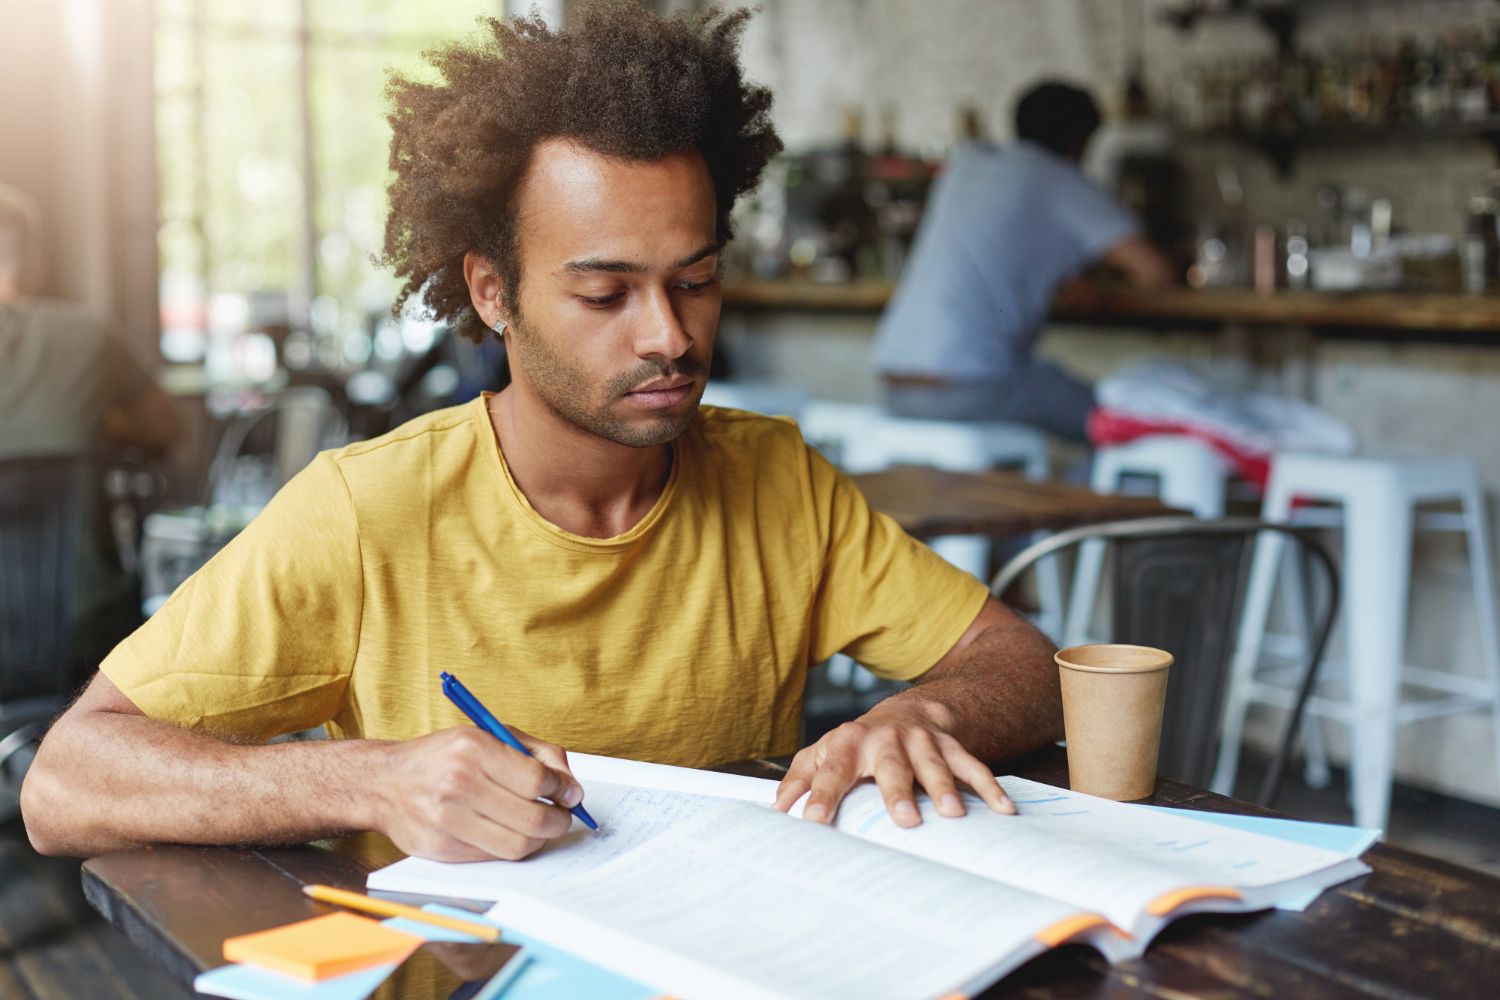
pixel 1004 229
pixel 601 564
pixel 69 387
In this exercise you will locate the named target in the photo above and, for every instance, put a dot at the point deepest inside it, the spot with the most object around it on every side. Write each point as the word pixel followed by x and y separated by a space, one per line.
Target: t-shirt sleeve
pixel 884 598
pixel 123 379
pixel 261 640
pixel 1087 213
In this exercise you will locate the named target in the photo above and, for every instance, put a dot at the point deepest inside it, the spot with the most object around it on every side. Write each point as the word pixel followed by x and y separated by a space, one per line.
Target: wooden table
pixel 930 503
pixel 1414 928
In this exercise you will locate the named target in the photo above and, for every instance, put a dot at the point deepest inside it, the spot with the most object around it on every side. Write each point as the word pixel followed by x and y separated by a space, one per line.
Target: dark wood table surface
pixel 930 502
pixel 1416 927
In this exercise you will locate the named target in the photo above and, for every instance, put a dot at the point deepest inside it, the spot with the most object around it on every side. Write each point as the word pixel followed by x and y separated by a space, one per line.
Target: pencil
pixel 386 908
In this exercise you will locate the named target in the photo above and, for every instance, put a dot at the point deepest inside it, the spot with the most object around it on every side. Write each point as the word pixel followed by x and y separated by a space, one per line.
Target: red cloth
pixel 1108 427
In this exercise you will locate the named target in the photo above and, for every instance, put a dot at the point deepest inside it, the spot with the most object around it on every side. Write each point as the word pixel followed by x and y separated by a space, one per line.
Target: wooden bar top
pixel 1355 310
pixel 1415 927
pixel 1387 311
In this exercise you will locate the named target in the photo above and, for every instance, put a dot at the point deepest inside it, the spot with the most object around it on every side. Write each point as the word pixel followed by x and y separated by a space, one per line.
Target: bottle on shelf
pixel 1455 78
pixel 1481 245
pixel 1296 255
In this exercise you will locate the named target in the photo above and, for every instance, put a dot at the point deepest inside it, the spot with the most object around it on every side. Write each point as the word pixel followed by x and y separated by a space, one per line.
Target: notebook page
pixel 588 768
pixel 1348 841
pixel 627 816
pixel 1114 858
pixel 741 903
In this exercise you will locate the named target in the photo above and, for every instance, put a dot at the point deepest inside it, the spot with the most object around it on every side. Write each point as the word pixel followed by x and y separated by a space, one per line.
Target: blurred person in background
pixel 68 386
pixel 1005 228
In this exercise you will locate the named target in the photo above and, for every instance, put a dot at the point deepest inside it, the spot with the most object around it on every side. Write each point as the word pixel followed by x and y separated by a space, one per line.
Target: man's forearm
pixel 1000 698
pixel 107 781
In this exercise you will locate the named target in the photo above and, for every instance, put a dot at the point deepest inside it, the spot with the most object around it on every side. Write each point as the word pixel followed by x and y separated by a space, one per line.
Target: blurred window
pixel 234 108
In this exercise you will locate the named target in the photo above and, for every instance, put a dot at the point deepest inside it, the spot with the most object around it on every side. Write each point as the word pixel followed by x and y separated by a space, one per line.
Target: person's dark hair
pixel 622 81
pixel 1057 116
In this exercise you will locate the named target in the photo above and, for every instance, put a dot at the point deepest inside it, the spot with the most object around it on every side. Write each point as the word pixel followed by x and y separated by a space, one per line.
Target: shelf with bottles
pixel 1446 91
pixel 1281 18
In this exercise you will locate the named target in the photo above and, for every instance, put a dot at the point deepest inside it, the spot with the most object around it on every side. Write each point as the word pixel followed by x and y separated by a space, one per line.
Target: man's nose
pixel 659 333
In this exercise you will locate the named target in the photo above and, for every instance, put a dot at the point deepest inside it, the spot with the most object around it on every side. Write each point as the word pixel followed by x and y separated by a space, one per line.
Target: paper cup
pixel 1113 697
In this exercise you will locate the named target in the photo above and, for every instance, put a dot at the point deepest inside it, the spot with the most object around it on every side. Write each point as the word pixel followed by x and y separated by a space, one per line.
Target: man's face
pixel 619 297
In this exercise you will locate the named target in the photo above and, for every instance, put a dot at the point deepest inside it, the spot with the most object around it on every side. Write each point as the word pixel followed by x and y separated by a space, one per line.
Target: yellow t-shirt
pixel 685 640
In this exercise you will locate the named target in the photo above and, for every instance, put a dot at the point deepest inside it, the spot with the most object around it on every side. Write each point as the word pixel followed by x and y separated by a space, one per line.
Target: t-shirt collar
pixel 527 514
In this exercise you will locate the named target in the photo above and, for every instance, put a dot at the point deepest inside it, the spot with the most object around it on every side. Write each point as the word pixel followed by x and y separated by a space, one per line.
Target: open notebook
pixel 693 887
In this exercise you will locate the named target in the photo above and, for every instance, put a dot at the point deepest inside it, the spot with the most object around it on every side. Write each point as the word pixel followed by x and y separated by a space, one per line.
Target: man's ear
pixel 485 287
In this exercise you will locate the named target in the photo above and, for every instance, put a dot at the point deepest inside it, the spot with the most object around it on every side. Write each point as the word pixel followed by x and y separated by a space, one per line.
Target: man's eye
pixel 696 286
pixel 601 300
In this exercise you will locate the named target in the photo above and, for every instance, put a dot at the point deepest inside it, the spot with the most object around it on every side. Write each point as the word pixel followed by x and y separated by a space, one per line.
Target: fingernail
pixel 952 803
pixel 906 809
pixel 817 813
pixel 572 796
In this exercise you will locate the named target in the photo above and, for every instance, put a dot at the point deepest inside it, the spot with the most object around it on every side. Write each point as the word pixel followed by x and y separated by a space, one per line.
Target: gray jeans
pixel 1038 393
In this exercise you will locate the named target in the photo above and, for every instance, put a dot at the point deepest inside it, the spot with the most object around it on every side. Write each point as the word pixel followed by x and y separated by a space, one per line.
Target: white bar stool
pixel 1380 495
pixel 1191 476
pixel 860 438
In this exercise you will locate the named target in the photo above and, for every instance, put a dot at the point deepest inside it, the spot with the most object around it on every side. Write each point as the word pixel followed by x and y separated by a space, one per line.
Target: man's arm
pixel 995 695
pixel 149 422
pixel 1139 260
pixel 107 777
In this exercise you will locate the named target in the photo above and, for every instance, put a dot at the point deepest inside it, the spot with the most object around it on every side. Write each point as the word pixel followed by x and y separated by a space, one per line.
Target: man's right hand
pixel 462 795
pixel 108 778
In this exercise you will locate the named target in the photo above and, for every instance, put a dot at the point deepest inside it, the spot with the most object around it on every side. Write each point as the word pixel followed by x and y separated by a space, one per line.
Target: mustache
pixel 645 371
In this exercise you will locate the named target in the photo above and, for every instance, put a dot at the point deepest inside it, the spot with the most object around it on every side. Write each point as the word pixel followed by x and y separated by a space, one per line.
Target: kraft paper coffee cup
pixel 1113 696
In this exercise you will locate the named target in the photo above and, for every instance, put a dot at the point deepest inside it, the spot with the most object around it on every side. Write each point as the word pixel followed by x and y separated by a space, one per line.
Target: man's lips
pixel 660 393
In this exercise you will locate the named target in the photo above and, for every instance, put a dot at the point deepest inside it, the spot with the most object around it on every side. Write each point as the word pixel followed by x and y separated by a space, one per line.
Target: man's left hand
pixel 899 742
pixel 995 694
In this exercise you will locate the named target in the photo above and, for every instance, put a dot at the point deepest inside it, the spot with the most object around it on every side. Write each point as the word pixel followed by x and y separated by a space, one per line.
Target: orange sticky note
pixel 325 946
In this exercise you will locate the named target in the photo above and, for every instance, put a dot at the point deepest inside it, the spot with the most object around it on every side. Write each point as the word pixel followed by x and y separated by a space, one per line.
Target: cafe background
pixel 212 178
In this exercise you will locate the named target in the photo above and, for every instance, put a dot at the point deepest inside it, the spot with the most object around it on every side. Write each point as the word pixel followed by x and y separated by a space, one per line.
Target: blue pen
pixel 481 717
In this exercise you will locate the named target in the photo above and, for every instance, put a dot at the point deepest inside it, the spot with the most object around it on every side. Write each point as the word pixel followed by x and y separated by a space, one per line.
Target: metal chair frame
pixel 50 486
pixel 1180 526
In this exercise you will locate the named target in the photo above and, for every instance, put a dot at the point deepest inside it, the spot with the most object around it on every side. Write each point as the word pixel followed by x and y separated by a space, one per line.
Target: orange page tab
pixel 1065 929
pixel 325 946
pixel 1163 905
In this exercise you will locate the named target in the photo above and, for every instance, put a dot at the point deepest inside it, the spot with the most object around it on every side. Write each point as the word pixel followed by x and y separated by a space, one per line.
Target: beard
pixel 576 396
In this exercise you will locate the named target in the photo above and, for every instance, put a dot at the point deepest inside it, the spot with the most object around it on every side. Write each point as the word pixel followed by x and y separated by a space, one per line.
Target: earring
pixel 499 327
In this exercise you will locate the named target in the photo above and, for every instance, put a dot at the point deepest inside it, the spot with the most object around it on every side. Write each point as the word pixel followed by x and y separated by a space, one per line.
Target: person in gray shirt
pixel 1004 229
pixel 68 386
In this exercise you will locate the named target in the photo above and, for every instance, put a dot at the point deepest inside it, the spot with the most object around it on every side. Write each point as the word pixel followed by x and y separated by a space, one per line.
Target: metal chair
pixel 40 513
pixel 1179 585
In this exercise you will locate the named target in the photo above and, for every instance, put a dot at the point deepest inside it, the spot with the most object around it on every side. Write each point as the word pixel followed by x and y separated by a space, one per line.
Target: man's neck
pixel 578 481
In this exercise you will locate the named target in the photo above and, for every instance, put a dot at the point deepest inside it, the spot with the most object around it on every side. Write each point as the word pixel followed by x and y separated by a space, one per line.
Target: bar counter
pixel 1463 317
